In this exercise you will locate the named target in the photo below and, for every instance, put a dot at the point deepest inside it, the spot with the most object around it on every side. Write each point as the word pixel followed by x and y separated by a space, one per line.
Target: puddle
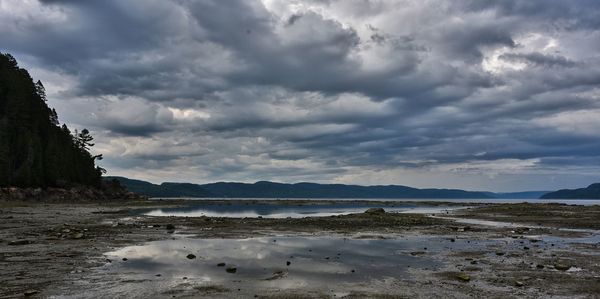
pixel 329 264
pixel 324 264
pixel 291 211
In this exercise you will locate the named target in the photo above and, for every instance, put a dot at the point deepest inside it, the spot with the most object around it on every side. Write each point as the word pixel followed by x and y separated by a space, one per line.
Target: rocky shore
pixel 107 192
pixel 55 249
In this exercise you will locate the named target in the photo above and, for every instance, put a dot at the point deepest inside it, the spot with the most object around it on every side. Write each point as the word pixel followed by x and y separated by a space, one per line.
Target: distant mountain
pixel 279 190
pixel 163 190
pixel 591 192
pixel 520 195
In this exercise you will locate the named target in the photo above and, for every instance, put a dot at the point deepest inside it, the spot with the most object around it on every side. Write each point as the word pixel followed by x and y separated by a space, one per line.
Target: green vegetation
pixel 35 151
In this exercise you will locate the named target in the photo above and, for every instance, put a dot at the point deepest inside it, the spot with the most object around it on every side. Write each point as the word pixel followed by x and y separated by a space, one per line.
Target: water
pixel 585 202
pixel 240 210
pixel 315 263
pixel 333 263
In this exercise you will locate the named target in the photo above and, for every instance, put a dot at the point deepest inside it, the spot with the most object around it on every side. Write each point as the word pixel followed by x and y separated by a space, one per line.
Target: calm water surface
pixel 240 210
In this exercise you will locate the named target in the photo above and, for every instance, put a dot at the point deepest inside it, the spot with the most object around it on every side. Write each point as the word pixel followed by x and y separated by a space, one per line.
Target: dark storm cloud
pixel 323 90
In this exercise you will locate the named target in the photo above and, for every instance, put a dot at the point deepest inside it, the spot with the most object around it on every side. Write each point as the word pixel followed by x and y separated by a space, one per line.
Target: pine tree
pixel 34 150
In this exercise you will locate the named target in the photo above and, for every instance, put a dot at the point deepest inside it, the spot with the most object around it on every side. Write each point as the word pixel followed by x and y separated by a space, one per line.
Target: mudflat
pixel 70 250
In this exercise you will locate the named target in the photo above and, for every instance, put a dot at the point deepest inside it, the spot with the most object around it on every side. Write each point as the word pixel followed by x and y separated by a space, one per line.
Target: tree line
pixel 35 150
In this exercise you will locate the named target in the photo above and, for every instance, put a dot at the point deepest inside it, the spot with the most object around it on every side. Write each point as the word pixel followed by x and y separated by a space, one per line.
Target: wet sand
pixel 58 250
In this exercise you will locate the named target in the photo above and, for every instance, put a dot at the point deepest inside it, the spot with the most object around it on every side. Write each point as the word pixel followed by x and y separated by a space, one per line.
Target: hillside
pixel 280 190
pixel 591 192
pixel 35 150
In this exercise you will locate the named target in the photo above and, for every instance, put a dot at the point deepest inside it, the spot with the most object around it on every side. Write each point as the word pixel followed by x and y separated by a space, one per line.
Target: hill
pixel 591 192
pixel 265 189
pixel 35 150
pixel 519 195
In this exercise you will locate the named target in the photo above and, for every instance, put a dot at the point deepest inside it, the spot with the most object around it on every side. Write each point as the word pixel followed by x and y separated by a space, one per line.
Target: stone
pixel 19 242
pixel 375 211
pixel 519 283
pixel 288 263
pixel 29 293
pixel 191 256
pixel 562 267
pixel 170 226
pixel 78 236
pixel 221 265
pixel 231 269
pixel 463 277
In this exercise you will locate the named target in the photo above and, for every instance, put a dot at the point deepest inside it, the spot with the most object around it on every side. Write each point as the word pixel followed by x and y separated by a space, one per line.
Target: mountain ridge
pixel 267 189
pixel 590 192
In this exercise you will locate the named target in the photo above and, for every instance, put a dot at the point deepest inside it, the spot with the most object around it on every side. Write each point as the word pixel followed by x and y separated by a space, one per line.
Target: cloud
pixel 467 94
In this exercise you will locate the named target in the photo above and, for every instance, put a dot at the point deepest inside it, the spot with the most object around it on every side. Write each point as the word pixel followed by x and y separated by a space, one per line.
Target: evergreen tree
pixel 34 150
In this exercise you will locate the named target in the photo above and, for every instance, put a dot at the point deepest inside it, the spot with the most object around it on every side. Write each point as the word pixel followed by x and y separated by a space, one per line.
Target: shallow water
pixel 241 210
pixel 585 202
pixel 322 263
pixel 316 263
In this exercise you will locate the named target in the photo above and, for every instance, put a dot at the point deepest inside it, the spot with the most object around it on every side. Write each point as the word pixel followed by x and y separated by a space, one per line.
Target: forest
pixel 35 149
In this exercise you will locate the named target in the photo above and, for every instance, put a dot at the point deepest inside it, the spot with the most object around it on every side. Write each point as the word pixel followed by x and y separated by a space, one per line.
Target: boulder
pixel 375 211
pixel 562 267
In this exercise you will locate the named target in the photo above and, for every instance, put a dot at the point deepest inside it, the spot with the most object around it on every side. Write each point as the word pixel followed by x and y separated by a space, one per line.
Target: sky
pixel 478 95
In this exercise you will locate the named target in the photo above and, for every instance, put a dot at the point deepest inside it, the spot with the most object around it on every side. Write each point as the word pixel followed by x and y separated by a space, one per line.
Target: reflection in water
pixel 238 210
pixel 321 263
pixel 331 264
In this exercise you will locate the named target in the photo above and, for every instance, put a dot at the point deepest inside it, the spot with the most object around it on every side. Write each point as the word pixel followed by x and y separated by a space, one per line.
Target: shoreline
pixel 48 249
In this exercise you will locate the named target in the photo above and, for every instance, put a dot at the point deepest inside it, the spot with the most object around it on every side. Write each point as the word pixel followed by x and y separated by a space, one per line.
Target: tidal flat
pixel 413 250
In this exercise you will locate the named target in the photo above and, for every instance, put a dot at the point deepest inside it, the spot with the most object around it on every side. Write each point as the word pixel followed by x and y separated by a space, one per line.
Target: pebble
pixel 463 277
pixel 191 256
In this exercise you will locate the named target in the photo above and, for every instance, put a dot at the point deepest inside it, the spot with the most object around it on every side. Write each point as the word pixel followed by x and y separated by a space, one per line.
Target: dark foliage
pixel 34 150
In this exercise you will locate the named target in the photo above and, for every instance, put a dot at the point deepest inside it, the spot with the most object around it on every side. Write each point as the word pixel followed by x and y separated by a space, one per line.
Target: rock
pixel 124 259
pixel 19 242
pixel 231 269
pixel 519 283
pixel 29 293
pixel 78 236
pixel 463 277
pixel 499 253
pixel 191 256
pixel 562 267
pixel 288 263
pixel 540 266
pixel 221 265
pixel 170 226
pixel 375 211
pixel 413 253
